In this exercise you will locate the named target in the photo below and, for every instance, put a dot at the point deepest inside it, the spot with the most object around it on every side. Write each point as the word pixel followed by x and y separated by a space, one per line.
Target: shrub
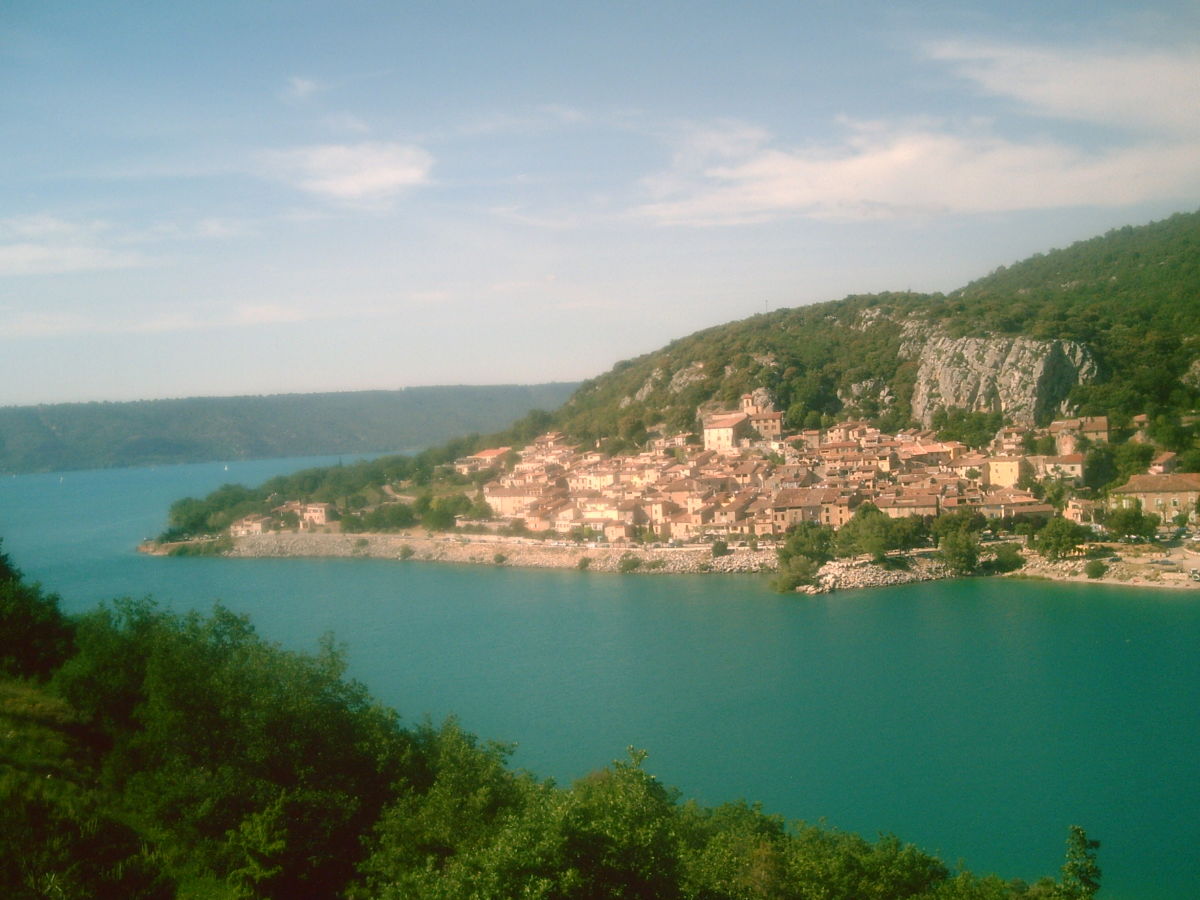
pixel 629 563
pixel 406 551
pixel 584 562
pixel 499 559
pixel 1006 557
pixel 1095 568
pixel 794 572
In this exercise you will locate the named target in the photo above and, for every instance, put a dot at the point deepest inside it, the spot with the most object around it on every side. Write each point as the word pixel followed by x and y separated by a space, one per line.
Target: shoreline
pixel 1144 571
pixel 516 552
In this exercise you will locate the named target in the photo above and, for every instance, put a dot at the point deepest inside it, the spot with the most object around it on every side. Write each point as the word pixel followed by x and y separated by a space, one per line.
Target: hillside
pixel 1109 325
pixel 99 435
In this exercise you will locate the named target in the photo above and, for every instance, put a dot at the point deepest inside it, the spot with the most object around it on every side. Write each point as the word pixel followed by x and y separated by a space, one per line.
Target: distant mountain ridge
pixel 99 435
pixel 1110 325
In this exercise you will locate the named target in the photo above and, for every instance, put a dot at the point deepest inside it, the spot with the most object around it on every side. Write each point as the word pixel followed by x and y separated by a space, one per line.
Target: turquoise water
pixel 975 718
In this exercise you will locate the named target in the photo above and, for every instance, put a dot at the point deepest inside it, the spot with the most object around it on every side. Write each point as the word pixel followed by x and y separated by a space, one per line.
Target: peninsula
pixel 1049 409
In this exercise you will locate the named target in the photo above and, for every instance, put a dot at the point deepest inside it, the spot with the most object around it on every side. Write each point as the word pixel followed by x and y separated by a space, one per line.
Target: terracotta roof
pixel 1160 484
pixel 725 420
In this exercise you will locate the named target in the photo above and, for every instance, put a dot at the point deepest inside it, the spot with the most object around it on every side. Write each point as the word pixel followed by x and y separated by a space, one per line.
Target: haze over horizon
pixel 232 198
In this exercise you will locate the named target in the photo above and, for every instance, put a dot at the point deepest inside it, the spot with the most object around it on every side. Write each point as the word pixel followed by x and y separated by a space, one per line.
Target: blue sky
pixel 263 197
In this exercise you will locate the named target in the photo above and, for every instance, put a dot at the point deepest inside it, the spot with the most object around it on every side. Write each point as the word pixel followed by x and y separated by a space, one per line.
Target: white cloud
pixel 42 323
pixel 367 172
pixel 299 88
pixel 731 173
pixel 346 122
pixel 46 245
pixel 1126 87
pixel 538 120
pixel 273 314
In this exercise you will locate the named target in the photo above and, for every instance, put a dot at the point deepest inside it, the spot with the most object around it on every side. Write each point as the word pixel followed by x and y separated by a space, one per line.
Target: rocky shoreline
pixel 1154 570
pixel 486 550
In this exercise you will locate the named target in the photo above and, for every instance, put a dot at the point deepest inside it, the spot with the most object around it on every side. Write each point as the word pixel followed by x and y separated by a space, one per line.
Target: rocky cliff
pixel 1110 325
pixel 1027 380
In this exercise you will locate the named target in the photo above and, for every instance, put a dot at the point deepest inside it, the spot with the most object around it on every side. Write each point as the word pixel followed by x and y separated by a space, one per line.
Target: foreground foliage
pixel 183 755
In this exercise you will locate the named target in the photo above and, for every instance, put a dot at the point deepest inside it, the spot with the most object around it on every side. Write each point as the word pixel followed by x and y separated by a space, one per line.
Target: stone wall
pixel 482 550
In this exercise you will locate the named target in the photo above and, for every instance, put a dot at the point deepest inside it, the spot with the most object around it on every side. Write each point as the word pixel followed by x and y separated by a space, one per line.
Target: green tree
pixel 1006 557
pixel 210 729
pixel 869 531
pixel 1132 521
pixel 960 520
pixel 959 550
pixel 807 547
pixel 35 637
pixel 973 428
pixel 1060 537
pixel 1080 872
pixel 60 841
pixel 794 572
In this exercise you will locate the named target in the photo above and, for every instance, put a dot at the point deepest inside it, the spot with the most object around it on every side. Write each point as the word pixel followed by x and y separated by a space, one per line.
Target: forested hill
pixel 1109 325
pixel 99 435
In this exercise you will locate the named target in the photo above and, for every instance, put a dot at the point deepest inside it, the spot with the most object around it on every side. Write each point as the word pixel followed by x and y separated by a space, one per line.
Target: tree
pixel 975 428
pixel 868 531
pixel 959 550
pixel 1131 520
pixel 962 519
pixel 1060 537
pixel 808 539
pixel 1006 557
pixel 797 570
pixel 808 546
pixel 35 637
pixel 1080 872
pixel 228 745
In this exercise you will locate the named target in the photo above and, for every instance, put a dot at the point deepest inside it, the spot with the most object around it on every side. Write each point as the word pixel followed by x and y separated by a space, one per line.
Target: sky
pixel 260 196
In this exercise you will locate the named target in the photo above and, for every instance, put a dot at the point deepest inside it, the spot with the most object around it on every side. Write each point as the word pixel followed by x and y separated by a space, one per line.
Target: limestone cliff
pixel 1027 380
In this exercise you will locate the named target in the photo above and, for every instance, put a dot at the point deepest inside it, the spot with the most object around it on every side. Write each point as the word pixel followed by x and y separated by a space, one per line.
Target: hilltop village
pixel 747 479
pixel 750 480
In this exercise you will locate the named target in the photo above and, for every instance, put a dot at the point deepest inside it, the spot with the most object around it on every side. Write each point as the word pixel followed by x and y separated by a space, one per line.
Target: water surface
pixel 976 718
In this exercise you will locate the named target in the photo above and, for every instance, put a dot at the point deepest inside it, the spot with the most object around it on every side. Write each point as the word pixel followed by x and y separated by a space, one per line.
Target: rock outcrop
pixel 1025 379
pixel 1191 378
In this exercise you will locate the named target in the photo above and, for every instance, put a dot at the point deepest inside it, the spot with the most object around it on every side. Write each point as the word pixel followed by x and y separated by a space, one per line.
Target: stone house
pixel 314 514
pixel 1067 432
pixel 901 506
pixel 251 524
pixel 1009 503
pixel 1006 471
pixel 723 431
pixel 484 459
pixel 1167 495
pixel 1068 468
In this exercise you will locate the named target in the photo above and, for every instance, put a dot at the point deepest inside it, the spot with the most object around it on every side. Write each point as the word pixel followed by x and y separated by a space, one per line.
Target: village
pixel 749 481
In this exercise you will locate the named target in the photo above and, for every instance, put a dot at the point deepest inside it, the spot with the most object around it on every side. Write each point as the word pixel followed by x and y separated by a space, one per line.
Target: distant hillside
pixel 98 435
pixel 1108 325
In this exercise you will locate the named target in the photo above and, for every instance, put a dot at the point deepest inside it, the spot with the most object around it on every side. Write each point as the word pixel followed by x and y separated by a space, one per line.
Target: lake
pixel 976 718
